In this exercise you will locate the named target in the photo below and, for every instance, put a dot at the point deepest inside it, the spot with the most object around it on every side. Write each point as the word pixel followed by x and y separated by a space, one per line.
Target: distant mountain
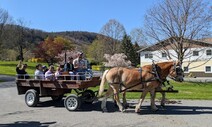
pixel 78 37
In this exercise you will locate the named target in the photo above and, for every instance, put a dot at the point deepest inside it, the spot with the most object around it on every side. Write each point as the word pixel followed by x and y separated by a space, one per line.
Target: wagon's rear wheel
pixel 72 102
pixel 31 98
pixel 88 96
pixel 57 98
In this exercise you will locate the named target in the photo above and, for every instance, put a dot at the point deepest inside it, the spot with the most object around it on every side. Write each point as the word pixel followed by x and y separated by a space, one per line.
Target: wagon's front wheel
pixel 72 102
pixel 31 98
pixel 88 96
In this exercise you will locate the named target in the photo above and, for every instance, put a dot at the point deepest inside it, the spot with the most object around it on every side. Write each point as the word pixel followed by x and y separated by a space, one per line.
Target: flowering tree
pixel 69 53
pixel 51 47
pixel 116 60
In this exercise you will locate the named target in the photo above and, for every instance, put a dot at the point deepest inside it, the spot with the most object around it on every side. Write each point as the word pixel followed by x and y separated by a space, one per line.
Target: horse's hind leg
pixel 163 100
pixel 124 100
pixel 138 106
pixel 153 106
pixel 104 101
pixel 116 97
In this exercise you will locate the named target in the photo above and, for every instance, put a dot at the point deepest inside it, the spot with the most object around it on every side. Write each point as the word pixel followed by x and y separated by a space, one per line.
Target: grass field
pixel 187 90
pixel 9 67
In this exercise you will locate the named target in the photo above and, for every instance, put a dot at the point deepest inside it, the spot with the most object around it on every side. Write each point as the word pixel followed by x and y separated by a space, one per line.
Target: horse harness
pixel 155 71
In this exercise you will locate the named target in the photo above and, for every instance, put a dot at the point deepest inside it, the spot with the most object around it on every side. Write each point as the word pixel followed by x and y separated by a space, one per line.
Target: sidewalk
pixel 199 79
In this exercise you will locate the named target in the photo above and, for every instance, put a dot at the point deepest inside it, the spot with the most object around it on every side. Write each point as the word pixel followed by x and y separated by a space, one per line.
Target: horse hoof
pixel 137 110
pixel 155 110
pixel 126 106
pixel 162 105
pixel 104 110
pixel 123 110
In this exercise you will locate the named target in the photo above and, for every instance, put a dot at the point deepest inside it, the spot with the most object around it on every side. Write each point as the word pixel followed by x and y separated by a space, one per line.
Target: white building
pixel 198 57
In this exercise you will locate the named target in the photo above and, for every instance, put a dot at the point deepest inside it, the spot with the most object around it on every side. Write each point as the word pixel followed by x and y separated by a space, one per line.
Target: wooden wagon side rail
pixel 59 84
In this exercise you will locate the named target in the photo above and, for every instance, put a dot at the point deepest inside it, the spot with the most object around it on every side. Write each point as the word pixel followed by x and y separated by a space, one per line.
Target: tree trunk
pixel 21 53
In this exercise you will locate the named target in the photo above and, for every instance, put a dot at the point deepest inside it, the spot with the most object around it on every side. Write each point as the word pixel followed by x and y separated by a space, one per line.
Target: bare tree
pixel 115 31
pixel 19 40
pixel 181 21
pixel 137 36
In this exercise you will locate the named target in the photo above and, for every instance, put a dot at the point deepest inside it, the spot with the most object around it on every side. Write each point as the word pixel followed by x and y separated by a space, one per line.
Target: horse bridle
pixel 178 70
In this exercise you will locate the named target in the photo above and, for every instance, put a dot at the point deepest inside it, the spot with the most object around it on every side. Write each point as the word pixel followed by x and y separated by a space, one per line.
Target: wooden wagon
pixel 34 89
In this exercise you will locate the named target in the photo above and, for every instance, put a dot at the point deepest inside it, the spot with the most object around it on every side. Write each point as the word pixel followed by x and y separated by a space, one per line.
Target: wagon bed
pixel 34 89
pixel 58 84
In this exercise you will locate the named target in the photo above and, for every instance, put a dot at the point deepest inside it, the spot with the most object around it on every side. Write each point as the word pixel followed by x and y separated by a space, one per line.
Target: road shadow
pixel 27 124
pixel 97 107
pixel 146 110
pixel 51 103
pixel 174 108
pixel 85 107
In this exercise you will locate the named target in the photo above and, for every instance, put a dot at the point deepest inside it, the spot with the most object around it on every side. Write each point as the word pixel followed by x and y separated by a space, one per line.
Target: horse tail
pixel 102 84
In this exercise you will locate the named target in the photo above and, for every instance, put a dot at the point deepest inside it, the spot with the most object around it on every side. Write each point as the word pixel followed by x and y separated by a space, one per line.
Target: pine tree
pixel 129 50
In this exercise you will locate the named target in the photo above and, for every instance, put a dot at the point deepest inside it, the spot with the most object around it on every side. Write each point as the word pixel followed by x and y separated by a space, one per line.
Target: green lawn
pixel 9 67
pixel 187 90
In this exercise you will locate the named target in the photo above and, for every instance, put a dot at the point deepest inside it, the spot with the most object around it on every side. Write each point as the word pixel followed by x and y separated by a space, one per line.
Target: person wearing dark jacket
pixel 21 71
pixel 69 66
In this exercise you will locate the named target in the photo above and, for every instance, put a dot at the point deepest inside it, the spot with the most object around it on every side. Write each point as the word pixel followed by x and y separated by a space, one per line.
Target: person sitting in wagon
pixel 49 75
pixel 79 66
pixel 39 72
pixel 69 67
pixel 58 73
pixel 21 71
pixel 45 69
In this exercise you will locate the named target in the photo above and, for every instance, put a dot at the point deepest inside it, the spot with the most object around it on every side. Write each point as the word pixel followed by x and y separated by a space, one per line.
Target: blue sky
pixel 77 15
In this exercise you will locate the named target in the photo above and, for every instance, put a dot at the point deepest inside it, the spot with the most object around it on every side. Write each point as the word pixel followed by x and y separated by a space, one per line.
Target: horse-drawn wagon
pixel 34 89
pixel 120 80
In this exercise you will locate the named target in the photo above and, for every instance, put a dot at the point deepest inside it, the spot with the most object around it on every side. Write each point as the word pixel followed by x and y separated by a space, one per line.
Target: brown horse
pixel 148 78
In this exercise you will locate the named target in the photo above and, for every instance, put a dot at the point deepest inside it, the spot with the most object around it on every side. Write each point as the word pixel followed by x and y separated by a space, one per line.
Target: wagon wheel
pixel 57 98
pixel 88 96
pixel 31 98
pixel 72 102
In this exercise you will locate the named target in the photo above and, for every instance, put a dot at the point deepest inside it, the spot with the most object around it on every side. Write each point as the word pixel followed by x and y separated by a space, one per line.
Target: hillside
pixel 35 36
pixel 79 37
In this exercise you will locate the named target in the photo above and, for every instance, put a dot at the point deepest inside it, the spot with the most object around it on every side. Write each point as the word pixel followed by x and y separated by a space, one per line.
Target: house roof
pixel 168 43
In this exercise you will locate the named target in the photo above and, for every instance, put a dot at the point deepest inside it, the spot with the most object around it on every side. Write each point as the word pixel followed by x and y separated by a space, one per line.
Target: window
pixel 148 56
pixel 195 53
pixel 164 55
pixel 208 52
pixel 207 68
pixel 185 69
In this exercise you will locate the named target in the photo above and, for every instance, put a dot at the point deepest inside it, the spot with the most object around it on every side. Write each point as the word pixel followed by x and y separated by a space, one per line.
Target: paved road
pixel 15 113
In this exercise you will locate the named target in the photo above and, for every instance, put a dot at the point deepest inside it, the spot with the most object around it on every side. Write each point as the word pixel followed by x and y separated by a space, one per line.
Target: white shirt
pixel 79 63
pixel 39 74
pixel 49 75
